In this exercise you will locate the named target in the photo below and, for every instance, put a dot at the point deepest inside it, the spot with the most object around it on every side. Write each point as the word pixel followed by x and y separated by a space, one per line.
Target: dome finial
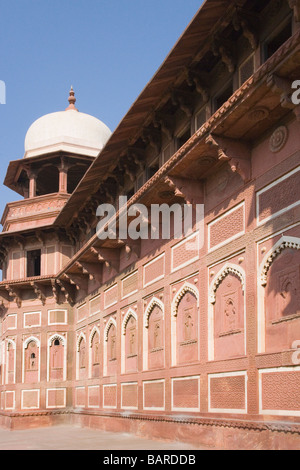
pixel 72 100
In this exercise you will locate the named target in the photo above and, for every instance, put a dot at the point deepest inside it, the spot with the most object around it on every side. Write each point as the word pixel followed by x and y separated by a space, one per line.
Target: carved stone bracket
pixel 190 190
pixel 236 153
pixel 243 21
pixel 133 246
pixel 183 101
pixel 283 87
pixel 91 269
pixel 40 292
pixel 108 256
pixel 194 79
pixel 15 294
pixel 221 47
pixel 153 138
pixel 166 124
pixel 67 290
pixel 55 290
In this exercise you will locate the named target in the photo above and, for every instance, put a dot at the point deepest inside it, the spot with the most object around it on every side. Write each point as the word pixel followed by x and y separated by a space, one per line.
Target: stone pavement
pixel 77 438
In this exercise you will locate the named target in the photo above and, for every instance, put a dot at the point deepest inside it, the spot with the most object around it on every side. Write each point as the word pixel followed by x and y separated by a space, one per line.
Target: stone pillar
pixel 63 176
pixel 32 184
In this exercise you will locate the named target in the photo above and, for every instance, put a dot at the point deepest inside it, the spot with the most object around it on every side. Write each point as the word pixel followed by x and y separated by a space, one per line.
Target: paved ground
pixel 76 438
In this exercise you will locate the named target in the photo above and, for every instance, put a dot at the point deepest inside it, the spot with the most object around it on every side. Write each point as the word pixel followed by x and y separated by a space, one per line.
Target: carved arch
pixel 28 340
pixel 79 339
pixel 111 322
pixel 227 269
pixel 94 331
pixel 54 337
pixel 282 244
pixel 187 287
pixel 129 314
pixel 12 342
pixel 154 303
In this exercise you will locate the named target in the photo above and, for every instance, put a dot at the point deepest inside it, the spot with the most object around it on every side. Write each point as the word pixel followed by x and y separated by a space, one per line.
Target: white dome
pixel 67 130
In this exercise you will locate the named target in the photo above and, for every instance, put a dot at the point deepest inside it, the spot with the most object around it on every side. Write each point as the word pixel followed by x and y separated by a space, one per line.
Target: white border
pixel 161 276
pixel 267 188
pixel 77 310
pixel 75 404
pixel 96 297
pixel 129 407
pixel 106 291
pixel 275 412
pixel 152 408
pixel 110 407
pixel 12 327
pixel 89 388
pixel 186 240
pixel 31 313
pixel 124 279
pixel 174 379
pixel 58 310
pixel 55 389
pixel 228 410
pixel 14 400
pixel 222 216
pixel 22 399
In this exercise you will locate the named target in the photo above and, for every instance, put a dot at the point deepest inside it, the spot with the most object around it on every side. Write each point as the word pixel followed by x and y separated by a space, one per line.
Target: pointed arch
pixel 187 287
pixel 79 339
pixel 62 339
pixel 56 336
pixel 28 340
pixel 262 275
pixel 94 331
pixel 111 322
pixel 227 269
pixel 282 244
pixel 126 318
pixel 155 302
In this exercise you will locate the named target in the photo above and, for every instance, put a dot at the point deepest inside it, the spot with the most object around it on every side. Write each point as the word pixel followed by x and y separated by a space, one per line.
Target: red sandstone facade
pixel 149 336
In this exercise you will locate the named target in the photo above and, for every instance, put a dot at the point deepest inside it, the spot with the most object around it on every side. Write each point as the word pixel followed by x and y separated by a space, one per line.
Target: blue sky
pixel 107 49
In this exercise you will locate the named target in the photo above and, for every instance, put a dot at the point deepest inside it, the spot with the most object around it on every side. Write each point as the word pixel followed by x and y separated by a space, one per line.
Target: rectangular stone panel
pixel 280 391
pixel 95 305
pixel 56 398
pixel 30 399
pixel 278 197
pixel 111 296
pixel 226 227
pixel 186 394
pixel 130 284
pixel 80 394
pixel 185 252
pixel 9 400
pixel 154 270
pixel 227 392
pixel 94 396
pixel 11 322
pixel 32 319
pixel 82 312
pixel 109 396
pixel 57 317
pixel 129 396
pixel 154 395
